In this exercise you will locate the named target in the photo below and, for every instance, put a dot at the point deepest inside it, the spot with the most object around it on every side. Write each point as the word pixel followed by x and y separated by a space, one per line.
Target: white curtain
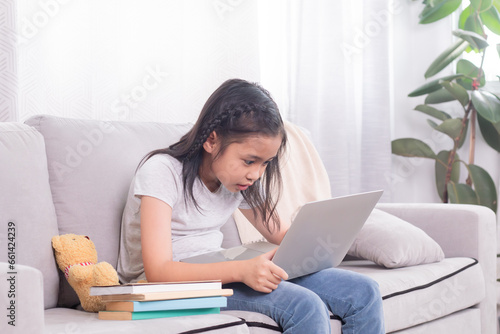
pixel 338 83
pixel 327 63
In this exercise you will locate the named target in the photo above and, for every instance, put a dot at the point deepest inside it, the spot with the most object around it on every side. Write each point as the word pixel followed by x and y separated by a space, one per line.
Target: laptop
pixel 319 237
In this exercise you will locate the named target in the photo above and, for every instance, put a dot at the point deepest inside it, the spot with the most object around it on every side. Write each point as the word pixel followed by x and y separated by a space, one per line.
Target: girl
pixel 182 195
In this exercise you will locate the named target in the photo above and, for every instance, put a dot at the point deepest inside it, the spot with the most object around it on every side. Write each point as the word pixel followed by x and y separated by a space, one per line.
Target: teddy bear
pixel 76 256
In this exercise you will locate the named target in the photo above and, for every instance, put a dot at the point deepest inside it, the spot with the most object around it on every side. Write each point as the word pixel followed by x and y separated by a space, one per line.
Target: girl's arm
pixel 275 236
pixel 156 240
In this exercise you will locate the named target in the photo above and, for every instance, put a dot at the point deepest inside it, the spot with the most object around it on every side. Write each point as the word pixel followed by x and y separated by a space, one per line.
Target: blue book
pixel 162 305
pixel 124 315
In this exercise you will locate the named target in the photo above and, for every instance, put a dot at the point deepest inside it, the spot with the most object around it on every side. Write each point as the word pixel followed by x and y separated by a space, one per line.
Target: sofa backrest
pixel 27 214
pixel 91 164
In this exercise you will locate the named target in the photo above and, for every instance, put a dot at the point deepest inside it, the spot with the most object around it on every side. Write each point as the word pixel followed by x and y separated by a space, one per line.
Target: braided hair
pixel 236 110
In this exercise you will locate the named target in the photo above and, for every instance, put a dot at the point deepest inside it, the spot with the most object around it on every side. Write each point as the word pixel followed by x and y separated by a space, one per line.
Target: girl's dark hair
pixel 236 110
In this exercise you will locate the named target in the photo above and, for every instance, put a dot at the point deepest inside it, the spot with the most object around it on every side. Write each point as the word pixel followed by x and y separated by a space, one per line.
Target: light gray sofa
pixel 60 175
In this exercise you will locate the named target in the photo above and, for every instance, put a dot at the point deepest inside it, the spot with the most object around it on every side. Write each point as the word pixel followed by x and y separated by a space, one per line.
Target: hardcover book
pixel 167 295
pixel 134 288
pixel 124 315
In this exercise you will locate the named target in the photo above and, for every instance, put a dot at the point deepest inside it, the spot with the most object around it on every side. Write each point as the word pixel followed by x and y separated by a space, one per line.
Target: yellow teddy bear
pixel 76 256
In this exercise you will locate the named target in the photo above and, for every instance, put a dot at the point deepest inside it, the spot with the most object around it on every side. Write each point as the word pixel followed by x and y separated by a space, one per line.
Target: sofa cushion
pixel 392 242
pixel 256 322
pixel 56 321
pixel 464 321
pixel 27 215
pixel 91 164
pixel 418 294
pixel 262 324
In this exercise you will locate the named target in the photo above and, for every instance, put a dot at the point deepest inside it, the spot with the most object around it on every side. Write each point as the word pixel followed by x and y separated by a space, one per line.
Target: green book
pixel 124 315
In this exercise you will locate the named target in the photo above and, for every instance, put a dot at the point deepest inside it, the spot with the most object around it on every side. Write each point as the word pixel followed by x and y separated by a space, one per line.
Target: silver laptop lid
pixel 322 233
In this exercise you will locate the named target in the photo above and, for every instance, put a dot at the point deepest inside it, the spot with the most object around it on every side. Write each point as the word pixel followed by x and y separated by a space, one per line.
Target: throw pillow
pixel 392 242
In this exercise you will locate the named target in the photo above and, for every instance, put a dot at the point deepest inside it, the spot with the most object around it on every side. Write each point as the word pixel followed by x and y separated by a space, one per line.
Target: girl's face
pixel 240 165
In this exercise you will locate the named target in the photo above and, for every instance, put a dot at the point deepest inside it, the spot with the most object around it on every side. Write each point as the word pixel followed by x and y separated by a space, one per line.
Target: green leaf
pixel 410 147
pixel 475 40
pixel 491 19
pixel 441 169
pixel 487 105
pixel 466 13
pixel 461 193
pixel 438 9
pixel 433 85
pixel 431 111
pixel 484 187
pixel 439 96
pixel 452 128
pixel 473 23
pixel 457 91
pixel 433 124
pixel 469 70
pixel 490 132
pixel 446 57
pixel 464 135
pixel 496 4
pixel 481 5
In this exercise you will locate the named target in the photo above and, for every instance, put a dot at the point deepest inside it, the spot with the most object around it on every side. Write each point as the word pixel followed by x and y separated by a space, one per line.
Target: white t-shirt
pixel 193 231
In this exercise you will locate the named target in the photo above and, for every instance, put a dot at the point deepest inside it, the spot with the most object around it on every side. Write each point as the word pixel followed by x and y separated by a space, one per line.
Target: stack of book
pixel 161 300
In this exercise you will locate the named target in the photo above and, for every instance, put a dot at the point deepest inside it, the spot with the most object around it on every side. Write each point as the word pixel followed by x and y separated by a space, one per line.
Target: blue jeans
pixel 301 305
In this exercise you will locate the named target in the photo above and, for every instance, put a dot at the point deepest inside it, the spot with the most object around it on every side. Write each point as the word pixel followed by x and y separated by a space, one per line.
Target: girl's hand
pixel 261 274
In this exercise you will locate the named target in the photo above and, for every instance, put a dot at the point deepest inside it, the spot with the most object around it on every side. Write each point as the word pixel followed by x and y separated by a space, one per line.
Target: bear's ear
pixel 56 242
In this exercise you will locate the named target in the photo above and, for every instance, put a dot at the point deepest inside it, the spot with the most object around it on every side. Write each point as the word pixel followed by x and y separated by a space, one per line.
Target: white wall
pixel 131 60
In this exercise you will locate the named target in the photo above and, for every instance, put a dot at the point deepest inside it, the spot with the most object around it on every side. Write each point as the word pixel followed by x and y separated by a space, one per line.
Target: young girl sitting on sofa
pixel 183 194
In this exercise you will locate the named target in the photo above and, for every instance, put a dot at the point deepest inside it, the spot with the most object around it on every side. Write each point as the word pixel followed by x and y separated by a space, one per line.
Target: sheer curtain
pixel 328 64
pixel 336 82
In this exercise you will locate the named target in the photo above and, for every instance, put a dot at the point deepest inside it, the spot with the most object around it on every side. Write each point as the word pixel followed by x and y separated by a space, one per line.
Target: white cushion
pixel 259 323
pixel 462 322
pixel 419 294
pixel 392 242
pixel 56 321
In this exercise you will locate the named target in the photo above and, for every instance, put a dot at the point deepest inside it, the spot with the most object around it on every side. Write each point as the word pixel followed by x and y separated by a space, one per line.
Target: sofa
pixel 62 175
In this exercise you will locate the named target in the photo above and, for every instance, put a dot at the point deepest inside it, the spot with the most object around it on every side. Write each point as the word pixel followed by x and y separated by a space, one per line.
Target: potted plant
pixel 479 100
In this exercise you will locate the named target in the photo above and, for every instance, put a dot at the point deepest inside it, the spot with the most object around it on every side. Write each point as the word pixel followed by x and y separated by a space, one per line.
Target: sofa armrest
pixel 462 231
pixel 21 291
